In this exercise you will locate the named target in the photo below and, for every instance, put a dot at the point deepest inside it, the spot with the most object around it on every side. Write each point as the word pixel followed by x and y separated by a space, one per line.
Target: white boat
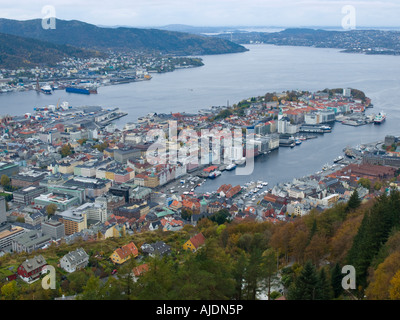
pixel 241 161
pixel 46 89
pixel 231 167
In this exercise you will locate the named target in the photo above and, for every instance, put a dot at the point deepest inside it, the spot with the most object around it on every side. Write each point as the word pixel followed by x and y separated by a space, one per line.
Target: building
pixel 93 187
pixel 28 178
pixel 27 195
pixel 194 243
pixel 122 155
pixel 111 202
pixel 124 253
pixel 30 241
pixel 74 260
pixel 69 190
pixel 74 221
pixel 3 210
pixel 158 248
pixel 53 228
pixel 9 169
pixel 62 201
pixel 94 211
pixel 121 191
pixel 8 234
pixel 31 269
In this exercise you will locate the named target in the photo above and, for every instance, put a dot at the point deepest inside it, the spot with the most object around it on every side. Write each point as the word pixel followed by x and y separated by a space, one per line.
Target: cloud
pixel 209 12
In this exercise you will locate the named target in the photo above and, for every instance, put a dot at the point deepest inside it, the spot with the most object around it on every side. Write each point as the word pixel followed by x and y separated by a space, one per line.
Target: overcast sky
pixel 291 13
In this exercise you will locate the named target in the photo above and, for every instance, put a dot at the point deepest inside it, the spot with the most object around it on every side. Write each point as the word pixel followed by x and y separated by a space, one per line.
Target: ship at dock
pixel 380 118
pixel 46 89
pixel 338 159
pixel 81 90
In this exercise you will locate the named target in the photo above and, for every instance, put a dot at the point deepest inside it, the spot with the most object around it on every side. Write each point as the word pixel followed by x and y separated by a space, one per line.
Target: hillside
pixel 360 41
pixel 239 259
pixel 25 52
pixel 85 35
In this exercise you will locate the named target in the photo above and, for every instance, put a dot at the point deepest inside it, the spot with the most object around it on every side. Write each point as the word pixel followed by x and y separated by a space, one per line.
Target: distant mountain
pixel 85 35
pixel 18 51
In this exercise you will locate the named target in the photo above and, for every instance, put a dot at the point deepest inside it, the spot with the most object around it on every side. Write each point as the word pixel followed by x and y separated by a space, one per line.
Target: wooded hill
pixel 240 259
pixel 88 36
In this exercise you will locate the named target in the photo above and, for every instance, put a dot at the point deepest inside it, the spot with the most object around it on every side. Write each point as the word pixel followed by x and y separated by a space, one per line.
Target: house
pixel 74 260
pixel 139 270
pixel 120 255
pixel 158 248
pixel 194 242
pixel 31 269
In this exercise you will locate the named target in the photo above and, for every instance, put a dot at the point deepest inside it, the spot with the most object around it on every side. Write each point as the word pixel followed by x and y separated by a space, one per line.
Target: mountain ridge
pixel 88 36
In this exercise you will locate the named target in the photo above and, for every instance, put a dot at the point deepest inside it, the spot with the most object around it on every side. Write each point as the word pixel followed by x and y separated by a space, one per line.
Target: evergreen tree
pixel 324 291
pixel 305 286
pixel 336 280
pixel 354 201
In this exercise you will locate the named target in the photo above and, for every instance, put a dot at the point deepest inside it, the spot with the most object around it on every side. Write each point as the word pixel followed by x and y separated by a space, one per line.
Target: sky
pixel 145 13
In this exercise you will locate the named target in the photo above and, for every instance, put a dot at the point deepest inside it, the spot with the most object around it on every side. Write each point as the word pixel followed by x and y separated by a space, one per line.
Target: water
pixel 233 77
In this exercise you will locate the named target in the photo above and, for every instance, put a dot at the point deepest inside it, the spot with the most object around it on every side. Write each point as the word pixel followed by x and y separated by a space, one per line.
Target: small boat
pixel 231 167
pixel 241 161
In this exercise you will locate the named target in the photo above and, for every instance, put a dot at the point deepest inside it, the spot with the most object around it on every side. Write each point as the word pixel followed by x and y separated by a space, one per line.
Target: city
pixel 124 175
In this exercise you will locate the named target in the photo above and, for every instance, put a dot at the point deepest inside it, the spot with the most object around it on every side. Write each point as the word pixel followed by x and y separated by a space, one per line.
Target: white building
pixel 74 260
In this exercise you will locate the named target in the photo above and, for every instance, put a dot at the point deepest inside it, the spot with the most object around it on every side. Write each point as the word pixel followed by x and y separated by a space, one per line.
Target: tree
pixel 269 269
pixel 354 201
pixel 91 290
pixel 324 287
pixel 66 150
pixel 394 290
pixel 10 291
pixel 51 209
pixel 305 285
pixel 336 281
pixel 4 180
pixel 239 275
pixel 366 183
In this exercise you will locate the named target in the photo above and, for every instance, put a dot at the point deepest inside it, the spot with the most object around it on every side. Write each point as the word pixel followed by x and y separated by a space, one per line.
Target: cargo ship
pixel 380 118
pixel 81 90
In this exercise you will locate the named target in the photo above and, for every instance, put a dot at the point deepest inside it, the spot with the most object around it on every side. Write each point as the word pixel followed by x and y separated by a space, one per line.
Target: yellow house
pixel 194 242
pixel 123 254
